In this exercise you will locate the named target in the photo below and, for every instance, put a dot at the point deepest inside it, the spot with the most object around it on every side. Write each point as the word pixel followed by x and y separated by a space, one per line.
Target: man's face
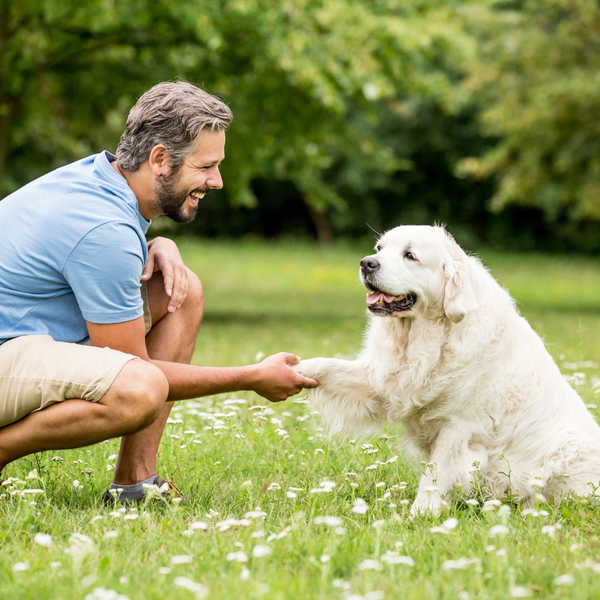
pixel 179 192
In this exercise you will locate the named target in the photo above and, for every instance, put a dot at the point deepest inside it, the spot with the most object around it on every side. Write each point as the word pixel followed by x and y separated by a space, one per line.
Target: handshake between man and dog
pixel 448 355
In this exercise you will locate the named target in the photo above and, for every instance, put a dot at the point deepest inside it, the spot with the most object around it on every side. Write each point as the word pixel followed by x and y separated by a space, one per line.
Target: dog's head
pixel 415 268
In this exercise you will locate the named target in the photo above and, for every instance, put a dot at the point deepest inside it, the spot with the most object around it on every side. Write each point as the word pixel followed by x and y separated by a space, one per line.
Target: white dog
pixel 448 355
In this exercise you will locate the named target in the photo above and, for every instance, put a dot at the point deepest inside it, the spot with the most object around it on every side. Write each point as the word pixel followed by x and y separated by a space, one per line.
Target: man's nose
pixel 215 181
pixel 369 264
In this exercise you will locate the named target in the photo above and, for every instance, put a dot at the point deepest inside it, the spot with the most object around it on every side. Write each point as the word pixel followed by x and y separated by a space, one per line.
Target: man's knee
pixel 195 295
pixel 137 395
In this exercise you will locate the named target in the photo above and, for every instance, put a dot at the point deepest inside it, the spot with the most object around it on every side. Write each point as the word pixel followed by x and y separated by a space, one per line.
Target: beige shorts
pixel 37 371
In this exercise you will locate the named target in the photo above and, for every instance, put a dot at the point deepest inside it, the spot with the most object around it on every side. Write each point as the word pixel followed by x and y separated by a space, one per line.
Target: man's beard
pixel 172 200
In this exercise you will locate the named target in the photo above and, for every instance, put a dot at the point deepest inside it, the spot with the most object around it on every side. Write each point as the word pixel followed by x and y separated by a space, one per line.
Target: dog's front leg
pixel 345 397
pixel 450 466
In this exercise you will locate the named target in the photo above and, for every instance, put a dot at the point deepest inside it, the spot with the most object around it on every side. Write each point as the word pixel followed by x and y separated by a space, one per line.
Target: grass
pixel 236 457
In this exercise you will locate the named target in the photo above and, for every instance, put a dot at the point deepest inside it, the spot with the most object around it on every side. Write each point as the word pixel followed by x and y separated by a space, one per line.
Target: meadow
pixel 273 510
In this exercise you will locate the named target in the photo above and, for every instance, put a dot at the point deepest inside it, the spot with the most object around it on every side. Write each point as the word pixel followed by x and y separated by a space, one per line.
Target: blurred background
pixel 348 114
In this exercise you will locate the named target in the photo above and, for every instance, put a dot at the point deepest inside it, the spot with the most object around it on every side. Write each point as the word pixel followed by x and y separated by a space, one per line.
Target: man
pixel 97 328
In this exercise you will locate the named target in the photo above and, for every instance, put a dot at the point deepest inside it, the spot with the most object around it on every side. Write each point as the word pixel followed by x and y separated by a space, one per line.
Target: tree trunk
pixel 321 224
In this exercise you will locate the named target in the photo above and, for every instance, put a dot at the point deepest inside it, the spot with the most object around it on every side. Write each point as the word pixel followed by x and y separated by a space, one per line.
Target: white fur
pixel 466 375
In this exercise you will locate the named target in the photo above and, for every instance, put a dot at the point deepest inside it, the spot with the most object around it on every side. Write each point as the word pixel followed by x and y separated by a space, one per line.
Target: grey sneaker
pixel 161 488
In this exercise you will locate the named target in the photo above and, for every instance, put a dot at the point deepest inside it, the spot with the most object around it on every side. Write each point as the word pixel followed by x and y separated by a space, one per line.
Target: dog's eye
pixel 410 256
pixel 378 247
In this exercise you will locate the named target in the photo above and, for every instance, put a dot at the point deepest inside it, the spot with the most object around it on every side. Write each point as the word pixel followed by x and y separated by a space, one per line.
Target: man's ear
pixel 159 160
pixel 459 297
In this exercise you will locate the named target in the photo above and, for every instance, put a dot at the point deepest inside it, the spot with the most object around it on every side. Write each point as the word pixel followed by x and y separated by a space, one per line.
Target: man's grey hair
pixel 172 114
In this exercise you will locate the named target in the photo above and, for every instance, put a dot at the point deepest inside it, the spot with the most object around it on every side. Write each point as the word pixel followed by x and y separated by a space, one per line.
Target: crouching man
pixel 97 327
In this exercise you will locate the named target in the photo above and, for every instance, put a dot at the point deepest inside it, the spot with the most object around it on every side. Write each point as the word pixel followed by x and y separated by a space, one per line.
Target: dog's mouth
pixel 379 302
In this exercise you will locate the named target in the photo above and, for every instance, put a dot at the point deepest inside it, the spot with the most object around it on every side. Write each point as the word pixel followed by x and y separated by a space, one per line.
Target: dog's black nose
pixel 369 264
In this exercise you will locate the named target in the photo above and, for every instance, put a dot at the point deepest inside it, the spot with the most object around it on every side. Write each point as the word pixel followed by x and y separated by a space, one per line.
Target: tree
pixel 536 79
pixel 306 80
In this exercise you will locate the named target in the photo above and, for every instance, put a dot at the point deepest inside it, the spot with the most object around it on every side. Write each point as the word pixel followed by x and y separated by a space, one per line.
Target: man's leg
pixel 135 398
pixel 172 338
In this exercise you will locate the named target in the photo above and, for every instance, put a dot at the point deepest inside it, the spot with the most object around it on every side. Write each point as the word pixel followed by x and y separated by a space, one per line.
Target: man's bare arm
pixel 273 378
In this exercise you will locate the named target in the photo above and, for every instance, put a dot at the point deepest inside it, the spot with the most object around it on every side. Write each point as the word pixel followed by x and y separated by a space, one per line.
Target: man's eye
pixel 410 256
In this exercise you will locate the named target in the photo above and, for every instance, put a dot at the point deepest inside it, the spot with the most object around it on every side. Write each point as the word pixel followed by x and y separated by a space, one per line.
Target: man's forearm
pixel 192 381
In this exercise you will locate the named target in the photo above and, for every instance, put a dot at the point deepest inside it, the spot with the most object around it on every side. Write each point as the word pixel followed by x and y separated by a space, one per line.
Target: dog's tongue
pixel 376 296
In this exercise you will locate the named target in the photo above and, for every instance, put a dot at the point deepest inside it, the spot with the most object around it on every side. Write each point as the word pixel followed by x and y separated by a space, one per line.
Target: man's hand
pixel 164 256
pixel 275 380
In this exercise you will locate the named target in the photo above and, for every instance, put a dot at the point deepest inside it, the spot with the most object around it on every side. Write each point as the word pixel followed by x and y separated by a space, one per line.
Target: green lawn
pixel 255 475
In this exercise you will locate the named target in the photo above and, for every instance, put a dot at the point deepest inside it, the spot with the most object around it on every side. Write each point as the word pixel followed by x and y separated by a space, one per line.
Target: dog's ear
pixel 459 297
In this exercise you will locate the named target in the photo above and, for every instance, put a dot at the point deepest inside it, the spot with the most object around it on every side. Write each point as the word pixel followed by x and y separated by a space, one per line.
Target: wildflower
pixel 370 564
pixel 81 544
pixel 223 526
pixel 198 525
pixel 360 507
pixel 20 566
pixel 260 551
pixel 498 530
pixel 291 494
pixel 393 558
pixel 77 485
pixel 519 592
pixel 237 557
pixel 446 527
pixel 182 559
pixel 550 530
pixel 491 505
pixel 55 564
pixel 105 594
pixel 255 514
pixel 566 579
pixel 329 521
pixel 43 539
pixel 324 487
pixel 460 564
pixel 594 566
pixel 192 586
pixel 450 524
pixel 110 535
pixel 280 535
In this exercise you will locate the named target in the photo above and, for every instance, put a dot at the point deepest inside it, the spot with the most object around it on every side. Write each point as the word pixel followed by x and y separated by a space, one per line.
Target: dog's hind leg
pixel 451 465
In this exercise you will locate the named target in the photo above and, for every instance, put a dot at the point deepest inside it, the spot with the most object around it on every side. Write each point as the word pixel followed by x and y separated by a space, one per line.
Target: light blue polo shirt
pixel 72 248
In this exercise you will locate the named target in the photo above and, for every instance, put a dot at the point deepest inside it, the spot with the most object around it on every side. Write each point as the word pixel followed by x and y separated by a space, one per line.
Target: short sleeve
pixel 104 271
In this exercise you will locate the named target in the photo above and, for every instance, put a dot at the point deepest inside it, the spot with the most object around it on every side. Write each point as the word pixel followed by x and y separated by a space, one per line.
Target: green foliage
pixel 537 80
pixel 345 112
pixel 293 72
